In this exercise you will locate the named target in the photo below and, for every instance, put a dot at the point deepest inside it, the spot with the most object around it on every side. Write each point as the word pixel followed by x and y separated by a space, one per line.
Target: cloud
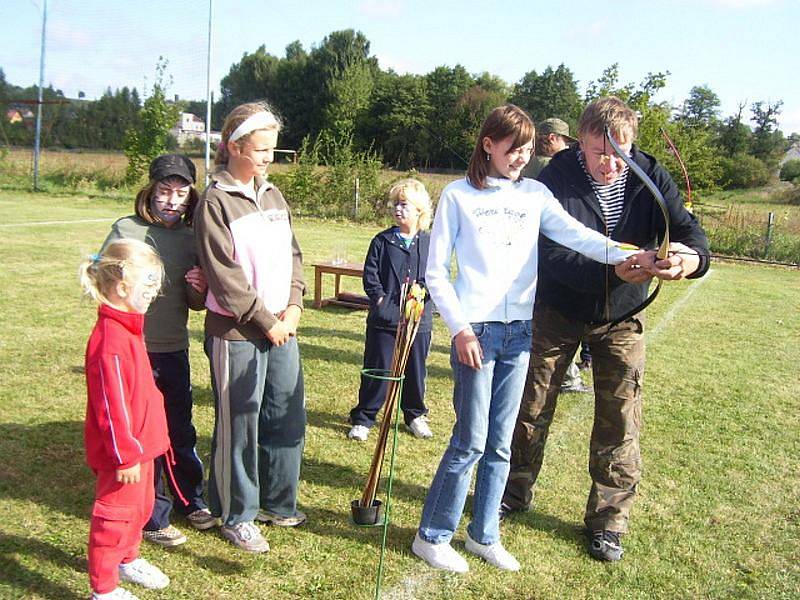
pixel 382 8
pixel 401 65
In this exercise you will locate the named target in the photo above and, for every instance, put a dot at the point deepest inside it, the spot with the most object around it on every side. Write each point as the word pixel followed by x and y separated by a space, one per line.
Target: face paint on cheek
pixel 170 217
pixel 144 292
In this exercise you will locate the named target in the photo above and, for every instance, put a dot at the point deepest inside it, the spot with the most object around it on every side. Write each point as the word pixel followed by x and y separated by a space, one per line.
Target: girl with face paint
pixel 126 427
pixel 164 209
pixel 395 254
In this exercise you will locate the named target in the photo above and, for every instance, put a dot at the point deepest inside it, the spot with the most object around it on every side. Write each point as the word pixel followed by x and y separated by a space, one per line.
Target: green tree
pixel 790 171
pixel 554 93
pixel 446 86
pixel 150 136
pixel 472 108
pixel 701 108
pixel 767 142
pixel 733 136
pixel 397 119
pixel 343 71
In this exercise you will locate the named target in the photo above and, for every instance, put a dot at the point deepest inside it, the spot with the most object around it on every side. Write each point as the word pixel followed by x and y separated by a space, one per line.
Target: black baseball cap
pixel 169 165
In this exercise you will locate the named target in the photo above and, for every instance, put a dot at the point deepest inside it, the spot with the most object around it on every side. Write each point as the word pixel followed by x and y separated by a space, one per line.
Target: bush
pixel 789 194
pixel 323 183
pixel 743 171
pixel 790 171
pixel 740 231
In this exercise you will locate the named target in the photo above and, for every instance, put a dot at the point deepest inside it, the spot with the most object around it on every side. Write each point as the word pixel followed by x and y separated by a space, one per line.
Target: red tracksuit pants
pixel 118 515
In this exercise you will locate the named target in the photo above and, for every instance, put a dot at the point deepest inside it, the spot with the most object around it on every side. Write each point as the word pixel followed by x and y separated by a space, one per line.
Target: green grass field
pixel 717 515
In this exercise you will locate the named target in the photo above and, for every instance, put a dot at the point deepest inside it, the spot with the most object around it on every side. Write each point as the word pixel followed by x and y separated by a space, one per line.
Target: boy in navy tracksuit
pixel 396 254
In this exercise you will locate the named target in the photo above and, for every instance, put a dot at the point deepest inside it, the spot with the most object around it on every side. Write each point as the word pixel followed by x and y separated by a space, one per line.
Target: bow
pixel 677 155
pixel 663 248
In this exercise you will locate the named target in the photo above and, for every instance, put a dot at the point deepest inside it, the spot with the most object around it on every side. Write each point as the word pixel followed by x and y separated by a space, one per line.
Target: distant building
pixel 17 115
pixel 792 153
pixel 190 127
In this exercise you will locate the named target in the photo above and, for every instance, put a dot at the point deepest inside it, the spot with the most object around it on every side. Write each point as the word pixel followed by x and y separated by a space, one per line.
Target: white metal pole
pixel 38 138
pixel 209 98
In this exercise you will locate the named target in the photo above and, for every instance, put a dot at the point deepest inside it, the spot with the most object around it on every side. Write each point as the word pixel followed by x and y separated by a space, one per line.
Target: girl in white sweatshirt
pixel 491 220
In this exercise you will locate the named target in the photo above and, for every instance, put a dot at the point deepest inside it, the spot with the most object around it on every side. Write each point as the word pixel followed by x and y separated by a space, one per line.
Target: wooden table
pixel 339 298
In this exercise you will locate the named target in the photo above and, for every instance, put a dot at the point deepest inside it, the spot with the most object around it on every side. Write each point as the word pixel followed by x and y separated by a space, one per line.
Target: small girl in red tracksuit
pixel 126 427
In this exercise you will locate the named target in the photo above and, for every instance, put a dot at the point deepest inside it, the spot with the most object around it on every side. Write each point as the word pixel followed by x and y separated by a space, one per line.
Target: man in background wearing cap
pixel 552 136
pixel 578 300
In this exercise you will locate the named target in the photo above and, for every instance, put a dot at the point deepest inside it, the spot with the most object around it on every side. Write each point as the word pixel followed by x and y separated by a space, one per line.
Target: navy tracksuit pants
pixel 171 373
pixel 378 350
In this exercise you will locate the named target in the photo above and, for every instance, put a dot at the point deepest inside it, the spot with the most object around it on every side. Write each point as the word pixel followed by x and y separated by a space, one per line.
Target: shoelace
pixel 610 538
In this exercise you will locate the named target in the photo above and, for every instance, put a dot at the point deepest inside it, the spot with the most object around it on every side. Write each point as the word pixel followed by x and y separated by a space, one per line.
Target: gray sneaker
pixel 245 536
pixel 271 518
pixel 169 537
pixel 605 545
pixel 202 519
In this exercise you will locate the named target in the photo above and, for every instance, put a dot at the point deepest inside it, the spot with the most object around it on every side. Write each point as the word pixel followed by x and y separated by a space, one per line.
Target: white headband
pixel 259 120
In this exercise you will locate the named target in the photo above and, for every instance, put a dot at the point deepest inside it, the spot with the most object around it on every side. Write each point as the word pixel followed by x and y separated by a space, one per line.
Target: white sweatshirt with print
pixel 494 234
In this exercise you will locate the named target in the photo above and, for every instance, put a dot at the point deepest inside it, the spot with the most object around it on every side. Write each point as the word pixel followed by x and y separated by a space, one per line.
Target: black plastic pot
pixel 367 515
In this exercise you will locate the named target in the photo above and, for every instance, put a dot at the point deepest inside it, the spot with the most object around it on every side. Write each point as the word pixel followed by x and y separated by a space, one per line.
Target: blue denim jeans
pixel 486 402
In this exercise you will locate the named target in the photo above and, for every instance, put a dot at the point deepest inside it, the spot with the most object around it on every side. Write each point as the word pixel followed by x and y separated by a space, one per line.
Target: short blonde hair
pixel 413 192
pixel 235 118
pixel 610 112
pixel 122 260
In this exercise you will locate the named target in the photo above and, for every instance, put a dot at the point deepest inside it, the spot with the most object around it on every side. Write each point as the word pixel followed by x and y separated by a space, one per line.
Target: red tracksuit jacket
pixel 125 419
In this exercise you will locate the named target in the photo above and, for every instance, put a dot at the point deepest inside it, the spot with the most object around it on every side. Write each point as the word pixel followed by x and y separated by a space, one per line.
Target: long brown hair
pixel 502 122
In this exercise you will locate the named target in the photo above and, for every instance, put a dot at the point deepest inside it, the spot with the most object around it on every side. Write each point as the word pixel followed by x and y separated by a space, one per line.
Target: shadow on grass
pixel 342 476
pixel 568 531
pixel 47 466
pixel 29 582
pixel 220 566
pixel 337 524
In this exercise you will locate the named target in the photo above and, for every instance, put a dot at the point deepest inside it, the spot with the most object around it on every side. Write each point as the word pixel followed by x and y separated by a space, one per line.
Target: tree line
pixel 336 90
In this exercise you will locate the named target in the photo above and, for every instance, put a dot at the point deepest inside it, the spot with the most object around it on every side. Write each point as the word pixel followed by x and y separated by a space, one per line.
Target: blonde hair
pixel 610 112
pixel 502 122
pixel 413 192
pixel 235 118
pixel 122 260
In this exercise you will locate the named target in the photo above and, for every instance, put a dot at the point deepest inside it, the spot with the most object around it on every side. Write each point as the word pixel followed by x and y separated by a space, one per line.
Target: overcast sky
pixel 745 50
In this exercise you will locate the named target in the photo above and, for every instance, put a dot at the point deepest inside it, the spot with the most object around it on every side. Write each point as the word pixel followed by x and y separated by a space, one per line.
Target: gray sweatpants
pixel 259 428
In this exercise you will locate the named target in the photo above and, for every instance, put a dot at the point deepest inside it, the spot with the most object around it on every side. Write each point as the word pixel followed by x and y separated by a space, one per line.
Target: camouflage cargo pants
pixel 614 459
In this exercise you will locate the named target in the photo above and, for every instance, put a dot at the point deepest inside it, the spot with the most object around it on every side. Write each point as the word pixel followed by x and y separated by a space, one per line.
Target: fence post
pixel 355 210
pixel 770 227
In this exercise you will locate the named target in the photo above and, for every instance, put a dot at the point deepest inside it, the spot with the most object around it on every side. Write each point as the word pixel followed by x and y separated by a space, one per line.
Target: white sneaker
pixel 494 554
pixel 117 593
pixel 419 427
pixel 144 574
pixel 358 433
pixel 439 556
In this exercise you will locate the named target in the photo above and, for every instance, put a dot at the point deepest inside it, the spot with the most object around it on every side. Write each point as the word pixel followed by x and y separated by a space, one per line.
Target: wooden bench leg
pixel 317 288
